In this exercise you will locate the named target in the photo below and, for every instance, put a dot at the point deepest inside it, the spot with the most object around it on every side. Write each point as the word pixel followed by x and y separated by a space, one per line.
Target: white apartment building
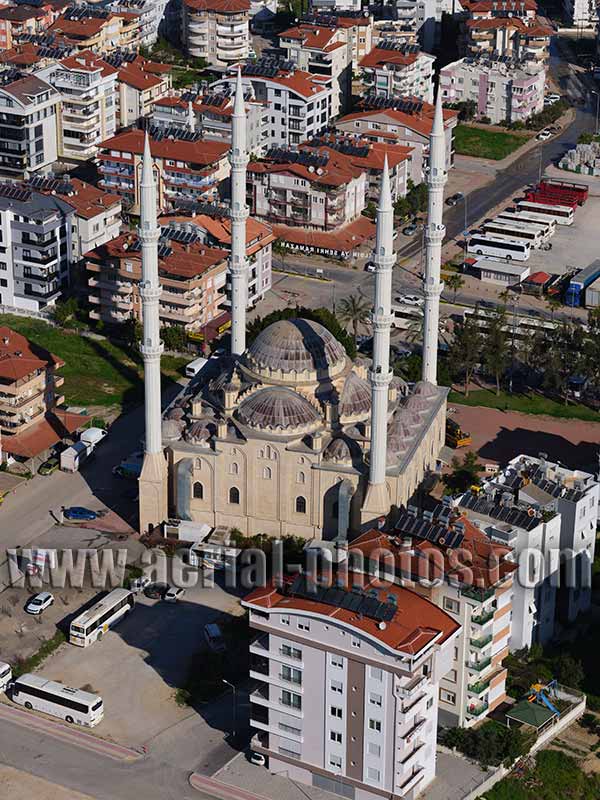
pixel 393 68
pixel 424 549
pixel 322 51
pixel 151 15
pixel 317 190
pixel 36 235
pixel 210 114
pixel 87 112
pixel 502 91
pixel 348 681
pixel 575 494
pixel 581 13
pixel 299 103
pixel 216 30
pixel 513 524
pixel 140 83
pixel 357 27
pixel 28 123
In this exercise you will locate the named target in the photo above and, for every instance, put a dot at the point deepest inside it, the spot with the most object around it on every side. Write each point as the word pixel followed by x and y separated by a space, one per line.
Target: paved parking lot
pixel 138 665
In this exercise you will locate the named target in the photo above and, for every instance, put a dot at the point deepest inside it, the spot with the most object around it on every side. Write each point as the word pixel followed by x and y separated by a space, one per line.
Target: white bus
pixel 497 247
pixel 514 230
pixel 530 217
pixel 405 316
pixel 72 705
pixel 562 215
pixel 94 622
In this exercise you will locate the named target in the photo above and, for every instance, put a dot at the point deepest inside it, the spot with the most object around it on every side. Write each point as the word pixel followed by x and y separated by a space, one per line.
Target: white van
pixel 5 675
pixel 195 366
pixel 93 436
pixel 214 637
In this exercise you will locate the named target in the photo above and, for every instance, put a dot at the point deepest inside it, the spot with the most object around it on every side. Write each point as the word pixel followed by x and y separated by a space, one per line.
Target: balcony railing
pixel 478 688
pixel 481 643
pixel 477 710
pixel 479 666
pixel 483 618
pixel 480 595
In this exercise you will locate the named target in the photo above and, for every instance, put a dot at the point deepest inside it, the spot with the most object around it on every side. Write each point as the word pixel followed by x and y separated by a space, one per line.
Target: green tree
pixel 559 354
pixel 454 282
pixel 354 310
pixel 553 305
pixel 495 347
pixel 132 332
pixel 174 337
pixel 569 671
pixel 64 313
pixel 464 473
pixel 465 349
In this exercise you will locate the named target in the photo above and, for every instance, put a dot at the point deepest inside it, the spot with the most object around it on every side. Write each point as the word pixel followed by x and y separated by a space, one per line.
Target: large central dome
pixel 296 348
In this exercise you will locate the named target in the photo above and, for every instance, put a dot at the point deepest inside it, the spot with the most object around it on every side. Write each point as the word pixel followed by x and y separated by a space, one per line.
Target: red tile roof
pixel 19 357
pixel 44 434
pixel 378 57
pixel 315 37
pixel 396 153
pixel 416 624
pixel 88 200
pixel 88 61
pixel 538 278
pixel 203 152
pixel 142 74
pixel 514 6
pixel 529 27
pixel 421 122
pixel 258 234
pixel 342 240
pixel 219 6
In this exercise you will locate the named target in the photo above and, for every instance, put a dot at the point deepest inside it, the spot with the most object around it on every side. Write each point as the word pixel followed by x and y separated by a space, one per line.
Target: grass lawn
pixel 96 372
pixel 556 776
pixel 527 403
pixel 482 143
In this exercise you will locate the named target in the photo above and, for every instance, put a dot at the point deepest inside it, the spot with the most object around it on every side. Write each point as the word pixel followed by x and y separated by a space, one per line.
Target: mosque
pixel 287 435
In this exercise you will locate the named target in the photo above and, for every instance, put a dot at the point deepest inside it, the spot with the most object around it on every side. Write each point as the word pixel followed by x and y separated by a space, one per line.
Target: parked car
pixel 553 97
pixel 214 637
pixel 410 230
pixel 412 300
pixel 39 603
pixel 156 591
pixel 370 266
pixel 455 199
pixel 49 466
pixel 173 594
pixel 139 584
pixel 544 135
pixel 79 514
pixel 258 759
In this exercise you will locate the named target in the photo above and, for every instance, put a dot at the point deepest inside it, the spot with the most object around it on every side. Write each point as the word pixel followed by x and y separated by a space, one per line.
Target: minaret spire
pixel 434 235
pixel 153 479
pixel 377 500
pixel 238 158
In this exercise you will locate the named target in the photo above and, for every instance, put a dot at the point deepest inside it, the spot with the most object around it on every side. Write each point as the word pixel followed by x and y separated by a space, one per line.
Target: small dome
pixel 417 404
pixel 337 450
pixel 176 414
pixel 197 432
pixel 426 390
pixel 277 408
pixel 295 346
pixel 171 430
pixel 355 397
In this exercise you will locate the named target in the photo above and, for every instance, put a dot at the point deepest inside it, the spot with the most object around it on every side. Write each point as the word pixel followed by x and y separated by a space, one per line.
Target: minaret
pixel 434 235
pixel 153 479
pixel 238 159
pixel 377 500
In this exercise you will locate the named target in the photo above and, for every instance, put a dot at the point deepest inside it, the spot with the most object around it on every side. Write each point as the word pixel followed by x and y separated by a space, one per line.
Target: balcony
pixel 479 644
pixel 479 666
pixel 483 618
pixel 411 781
pixel 477 709
pixel 260 695
pixel 259 667
pixel 479 595
pixel 478 688
pixel 409 689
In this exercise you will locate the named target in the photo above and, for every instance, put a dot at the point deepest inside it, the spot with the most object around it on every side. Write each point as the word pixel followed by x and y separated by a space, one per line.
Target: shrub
pixel 491 744
pixel 485 120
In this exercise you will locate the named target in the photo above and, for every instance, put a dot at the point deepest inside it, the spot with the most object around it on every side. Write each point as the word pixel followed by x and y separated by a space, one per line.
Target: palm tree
pixel 553 304
pixel 454 282
pixel 354 310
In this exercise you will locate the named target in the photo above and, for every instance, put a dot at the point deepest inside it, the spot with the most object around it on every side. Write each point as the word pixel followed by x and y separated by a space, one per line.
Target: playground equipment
pixel 539 692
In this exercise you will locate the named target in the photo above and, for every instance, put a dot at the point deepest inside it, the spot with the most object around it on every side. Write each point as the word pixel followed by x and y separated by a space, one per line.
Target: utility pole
pixel 234 731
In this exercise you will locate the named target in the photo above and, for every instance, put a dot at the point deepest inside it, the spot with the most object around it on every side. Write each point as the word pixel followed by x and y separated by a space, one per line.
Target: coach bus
pixel 497 247
pixel 513 230
pixel 562 215
pixel 96 621
pixel 546 225
pixel 72 705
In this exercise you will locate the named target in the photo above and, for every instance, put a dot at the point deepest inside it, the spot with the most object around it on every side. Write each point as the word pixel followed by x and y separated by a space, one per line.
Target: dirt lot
pixel 579 743
pixel 15 785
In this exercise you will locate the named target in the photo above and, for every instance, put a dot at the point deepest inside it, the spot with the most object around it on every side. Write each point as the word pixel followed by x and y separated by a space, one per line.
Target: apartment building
pixel 29 385
pixel 97 29
pixel 333 6
pixel 192 277
pixel 393 68
pixel 442 556
pixel 97 217
pixel 325 51
pixel 28 121
pixel 87 112
pixel 403 121
pixel 36 247
pixel 215 231
pixel 503 91
pixel 347 684
pixel 314 189
pixel 512 36
pixel 356 28
pixel 151 13
pixel 299 103
pixel 216 30
pixel 17 21
pixel 189 168
pixel 31 56
pixel 140 83
pixel 210 114
pixel 581 13
pixel 548 487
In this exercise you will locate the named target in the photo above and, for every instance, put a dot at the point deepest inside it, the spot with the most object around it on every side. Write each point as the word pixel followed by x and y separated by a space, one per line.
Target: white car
pixel 412 300
pixel 553 98
pixel 544 135
pixel 173 594
pixel 258 759
pixel 139 584
pixel 39 603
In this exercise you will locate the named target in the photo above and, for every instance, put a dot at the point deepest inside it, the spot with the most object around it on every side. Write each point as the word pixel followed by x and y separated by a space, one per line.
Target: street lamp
pixel 232 687
pixel 597 110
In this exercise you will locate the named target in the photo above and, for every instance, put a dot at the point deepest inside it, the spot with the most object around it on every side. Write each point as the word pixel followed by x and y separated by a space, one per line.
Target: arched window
pixel 301 478
pixel 300 505
pixel 198 491
pixel 233 468
pixel 267 473
pixel 335 510
pixel 234 495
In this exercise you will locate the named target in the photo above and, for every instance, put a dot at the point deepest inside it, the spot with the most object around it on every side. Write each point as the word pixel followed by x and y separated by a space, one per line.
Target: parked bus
pixel 530 218
pixel 96 621
pixel 562 215
pixel 514 230
pixel 72 705
pixel 497 247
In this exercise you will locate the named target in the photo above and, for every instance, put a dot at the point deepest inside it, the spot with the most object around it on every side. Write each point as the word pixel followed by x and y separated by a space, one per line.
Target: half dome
pixel 355 397
pixel 278 408
pixel 293 347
